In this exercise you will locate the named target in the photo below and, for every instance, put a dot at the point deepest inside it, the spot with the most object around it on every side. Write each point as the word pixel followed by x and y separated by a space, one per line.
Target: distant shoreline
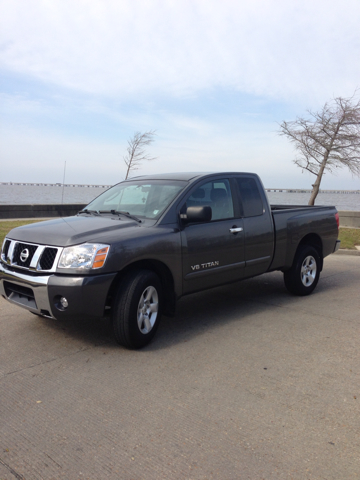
pixel 21 184
pixel 76 185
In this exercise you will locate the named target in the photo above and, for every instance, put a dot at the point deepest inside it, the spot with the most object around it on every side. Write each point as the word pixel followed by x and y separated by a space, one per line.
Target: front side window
pixel 216 194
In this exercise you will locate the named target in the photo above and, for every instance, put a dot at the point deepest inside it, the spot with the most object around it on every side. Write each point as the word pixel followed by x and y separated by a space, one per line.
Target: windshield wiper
pixel 90 212
pixel 120 212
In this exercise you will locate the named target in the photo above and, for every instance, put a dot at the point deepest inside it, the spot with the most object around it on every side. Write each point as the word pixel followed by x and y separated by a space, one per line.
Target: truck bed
pixel 295 222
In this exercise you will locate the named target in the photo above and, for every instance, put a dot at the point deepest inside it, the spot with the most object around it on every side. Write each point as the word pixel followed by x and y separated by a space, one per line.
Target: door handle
pixel 236 229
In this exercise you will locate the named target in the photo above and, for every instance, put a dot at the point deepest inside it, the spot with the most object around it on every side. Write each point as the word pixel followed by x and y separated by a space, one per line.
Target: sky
pixel 213 79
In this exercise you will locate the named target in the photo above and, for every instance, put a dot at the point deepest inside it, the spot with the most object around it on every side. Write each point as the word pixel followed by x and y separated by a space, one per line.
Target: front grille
pixel 29 256
pixel 47 258
pixel 6 249
pixel 21 251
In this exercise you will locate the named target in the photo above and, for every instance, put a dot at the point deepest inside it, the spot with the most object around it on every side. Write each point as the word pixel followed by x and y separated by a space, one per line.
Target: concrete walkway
pixel 246 382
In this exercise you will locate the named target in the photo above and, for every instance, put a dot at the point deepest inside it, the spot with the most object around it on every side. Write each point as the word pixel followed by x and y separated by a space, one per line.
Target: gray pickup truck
pixel 146 242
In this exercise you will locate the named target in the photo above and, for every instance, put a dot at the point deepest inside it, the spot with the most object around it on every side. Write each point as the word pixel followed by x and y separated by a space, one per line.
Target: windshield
pixel 143 199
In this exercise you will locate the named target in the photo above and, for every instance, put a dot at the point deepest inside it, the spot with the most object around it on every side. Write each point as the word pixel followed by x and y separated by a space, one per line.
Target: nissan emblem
pixel 24 255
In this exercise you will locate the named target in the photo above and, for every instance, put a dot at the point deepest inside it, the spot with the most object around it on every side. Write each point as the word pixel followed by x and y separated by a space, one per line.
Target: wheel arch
pixel 164 274
pixel 312 240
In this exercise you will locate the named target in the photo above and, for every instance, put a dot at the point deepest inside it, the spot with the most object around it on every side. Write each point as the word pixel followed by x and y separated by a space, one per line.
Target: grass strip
pixel 7 225
pixel 349 236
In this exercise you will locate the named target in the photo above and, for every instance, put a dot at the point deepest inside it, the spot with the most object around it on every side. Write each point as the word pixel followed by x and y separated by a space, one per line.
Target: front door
pixel 213 252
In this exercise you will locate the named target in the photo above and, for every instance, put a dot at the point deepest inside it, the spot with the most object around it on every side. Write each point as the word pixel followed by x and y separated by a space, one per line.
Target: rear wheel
pixel 304 274
pixel 137 309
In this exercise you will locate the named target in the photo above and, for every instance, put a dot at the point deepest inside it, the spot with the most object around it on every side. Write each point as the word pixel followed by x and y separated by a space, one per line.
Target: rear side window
pixel 250 197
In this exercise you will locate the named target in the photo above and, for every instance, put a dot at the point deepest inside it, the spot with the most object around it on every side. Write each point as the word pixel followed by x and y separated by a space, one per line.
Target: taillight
pixel 337 220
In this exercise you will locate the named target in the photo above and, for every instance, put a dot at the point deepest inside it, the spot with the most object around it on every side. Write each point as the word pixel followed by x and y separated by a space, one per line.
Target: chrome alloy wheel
pixel 308 271
pixel 148 309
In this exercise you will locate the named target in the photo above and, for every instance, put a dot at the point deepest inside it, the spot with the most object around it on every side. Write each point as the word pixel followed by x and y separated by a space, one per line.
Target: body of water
pixel 40 194
pixel 46 194
pixel 342 201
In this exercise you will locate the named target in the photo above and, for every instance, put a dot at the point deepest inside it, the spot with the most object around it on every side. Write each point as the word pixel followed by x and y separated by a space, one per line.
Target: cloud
pixel 132 48
pixel 211 77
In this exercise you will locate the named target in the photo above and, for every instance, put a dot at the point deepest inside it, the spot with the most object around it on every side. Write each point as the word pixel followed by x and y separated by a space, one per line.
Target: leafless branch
pixel 136 153
pixel 328 139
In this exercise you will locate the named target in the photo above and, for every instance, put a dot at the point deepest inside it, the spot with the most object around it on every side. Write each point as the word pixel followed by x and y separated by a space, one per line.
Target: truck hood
pixel 62 232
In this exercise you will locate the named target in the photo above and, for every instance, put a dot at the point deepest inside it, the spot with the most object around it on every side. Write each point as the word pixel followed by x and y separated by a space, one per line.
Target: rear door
pixel 258 225
pixel 213 252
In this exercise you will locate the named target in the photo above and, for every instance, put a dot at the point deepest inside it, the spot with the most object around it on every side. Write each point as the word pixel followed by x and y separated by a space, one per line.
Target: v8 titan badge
pixel 202 266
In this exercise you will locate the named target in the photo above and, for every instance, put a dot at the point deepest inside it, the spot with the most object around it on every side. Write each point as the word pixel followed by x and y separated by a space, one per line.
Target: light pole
pixel 62 194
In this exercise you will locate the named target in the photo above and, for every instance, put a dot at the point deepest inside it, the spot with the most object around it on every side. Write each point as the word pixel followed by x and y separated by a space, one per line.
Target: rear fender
pixel 312 240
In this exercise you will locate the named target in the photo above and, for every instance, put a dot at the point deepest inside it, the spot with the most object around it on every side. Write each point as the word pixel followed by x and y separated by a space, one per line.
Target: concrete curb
pixel 344 251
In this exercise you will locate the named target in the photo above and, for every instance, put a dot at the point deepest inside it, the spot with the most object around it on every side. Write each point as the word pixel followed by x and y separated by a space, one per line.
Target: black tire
pixel 137 309
pixel 304 274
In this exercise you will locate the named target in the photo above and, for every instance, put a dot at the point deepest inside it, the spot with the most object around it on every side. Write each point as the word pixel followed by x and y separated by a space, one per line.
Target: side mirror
pixel 197 214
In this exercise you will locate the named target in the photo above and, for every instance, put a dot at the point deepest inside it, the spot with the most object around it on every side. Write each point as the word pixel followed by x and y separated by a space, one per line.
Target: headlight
pixel 86 256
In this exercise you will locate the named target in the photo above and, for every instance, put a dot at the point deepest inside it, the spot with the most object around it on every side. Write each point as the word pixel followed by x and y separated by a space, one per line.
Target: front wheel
pixel 304 274
pixel 137 309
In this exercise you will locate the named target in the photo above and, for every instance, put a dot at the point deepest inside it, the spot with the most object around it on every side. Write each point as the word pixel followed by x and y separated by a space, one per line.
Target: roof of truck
pixel 185 176
pixel 171 176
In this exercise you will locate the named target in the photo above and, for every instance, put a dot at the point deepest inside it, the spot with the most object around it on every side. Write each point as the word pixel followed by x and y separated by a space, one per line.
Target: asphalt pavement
pixel 245 382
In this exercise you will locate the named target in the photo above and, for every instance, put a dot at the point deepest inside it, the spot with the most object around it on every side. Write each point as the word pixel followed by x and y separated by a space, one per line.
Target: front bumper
pixel 40 294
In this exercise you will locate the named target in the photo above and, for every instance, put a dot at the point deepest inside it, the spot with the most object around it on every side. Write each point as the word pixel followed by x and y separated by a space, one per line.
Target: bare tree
pixel 136 150
pixel 329 140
